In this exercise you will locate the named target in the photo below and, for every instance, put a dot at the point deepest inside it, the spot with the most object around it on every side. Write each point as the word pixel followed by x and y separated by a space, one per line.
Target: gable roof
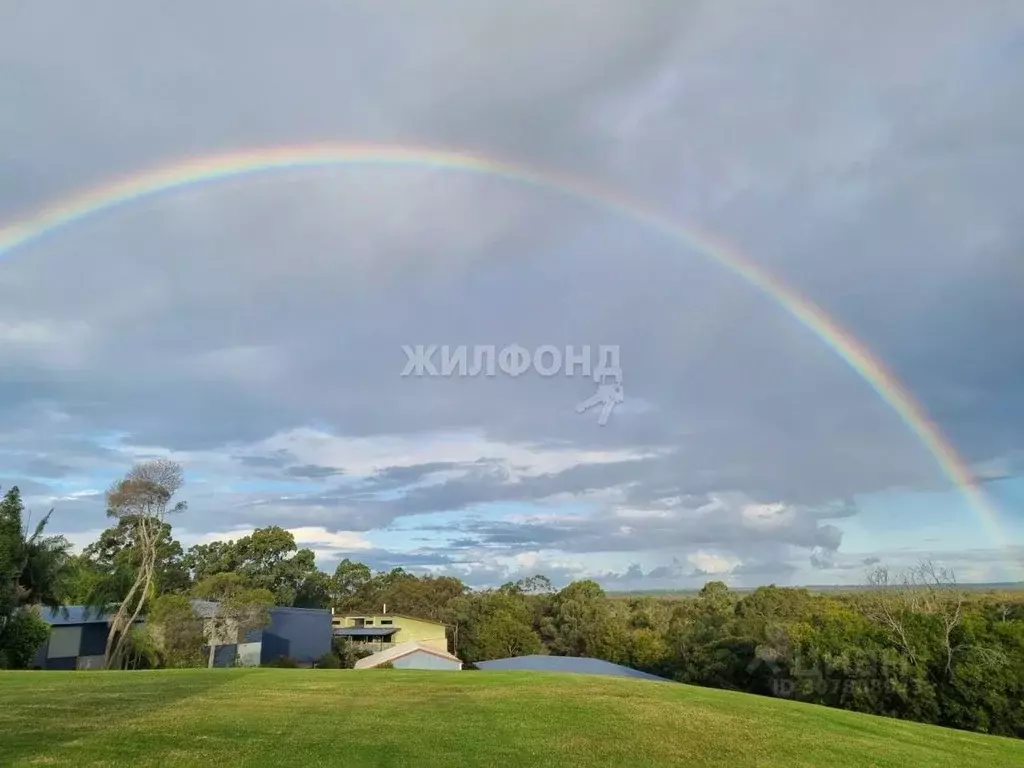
pixel 400 650
pixel 574 664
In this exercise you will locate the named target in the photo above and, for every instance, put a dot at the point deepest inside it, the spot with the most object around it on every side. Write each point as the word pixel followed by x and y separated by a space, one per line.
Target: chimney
pixel 385 607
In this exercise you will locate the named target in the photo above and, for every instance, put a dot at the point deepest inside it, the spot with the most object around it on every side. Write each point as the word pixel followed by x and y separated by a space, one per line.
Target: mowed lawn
pixel 264 717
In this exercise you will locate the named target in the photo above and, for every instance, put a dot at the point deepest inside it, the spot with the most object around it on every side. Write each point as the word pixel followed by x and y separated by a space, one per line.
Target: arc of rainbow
pixel 239 163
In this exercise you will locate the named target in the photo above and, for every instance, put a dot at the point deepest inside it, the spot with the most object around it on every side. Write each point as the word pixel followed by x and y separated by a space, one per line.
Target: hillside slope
pixel 403 718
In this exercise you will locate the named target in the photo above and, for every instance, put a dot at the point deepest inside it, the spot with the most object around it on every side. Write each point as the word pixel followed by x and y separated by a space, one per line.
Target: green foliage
pixel 283 662
pixel 32 568
pixel 329 660
pixel 116 556
pixel 349 585
pixel 268 558
pixel 11 553
pixel 494 624
pixel 23 636
pixel 220 586
pixel 176 632
pixel 348 653
pixel 142 649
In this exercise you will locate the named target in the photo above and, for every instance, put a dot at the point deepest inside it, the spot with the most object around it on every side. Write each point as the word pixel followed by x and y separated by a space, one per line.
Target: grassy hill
pixel 393 718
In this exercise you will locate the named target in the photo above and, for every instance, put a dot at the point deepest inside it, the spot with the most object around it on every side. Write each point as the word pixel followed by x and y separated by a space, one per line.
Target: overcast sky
pixel 867 154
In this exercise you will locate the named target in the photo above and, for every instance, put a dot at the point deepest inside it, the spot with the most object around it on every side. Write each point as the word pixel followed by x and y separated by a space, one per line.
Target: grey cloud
pixel 276 461
pixel 886 188
pixel 312 471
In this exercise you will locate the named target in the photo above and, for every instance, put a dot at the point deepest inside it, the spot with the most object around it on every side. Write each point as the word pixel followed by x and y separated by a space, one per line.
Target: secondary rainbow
pixel 229 165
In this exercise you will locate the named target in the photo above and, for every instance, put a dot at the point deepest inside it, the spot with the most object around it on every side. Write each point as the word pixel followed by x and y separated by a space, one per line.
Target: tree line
pixel 911 645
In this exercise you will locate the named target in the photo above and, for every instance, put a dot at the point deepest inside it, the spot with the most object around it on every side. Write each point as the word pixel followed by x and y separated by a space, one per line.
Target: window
pixel 369 623
pixel 385 622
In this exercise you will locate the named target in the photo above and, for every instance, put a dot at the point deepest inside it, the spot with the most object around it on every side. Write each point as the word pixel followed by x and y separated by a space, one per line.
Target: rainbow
pixel 218 167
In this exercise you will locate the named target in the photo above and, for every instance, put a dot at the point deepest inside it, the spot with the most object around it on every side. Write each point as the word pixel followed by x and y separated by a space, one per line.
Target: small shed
pixel 412 655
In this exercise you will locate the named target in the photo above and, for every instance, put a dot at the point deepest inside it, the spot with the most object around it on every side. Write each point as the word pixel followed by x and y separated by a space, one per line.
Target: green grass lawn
pixel 270 717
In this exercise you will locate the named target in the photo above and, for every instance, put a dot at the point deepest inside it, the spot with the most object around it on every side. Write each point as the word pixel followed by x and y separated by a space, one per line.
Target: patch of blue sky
pixel 914 520
pixel 933 524
pixel 441 528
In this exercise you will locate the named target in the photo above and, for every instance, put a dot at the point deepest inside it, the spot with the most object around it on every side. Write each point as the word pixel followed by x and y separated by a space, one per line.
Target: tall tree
pixel 583 623
pixel 116 552
pixel 349 584
pixel 177 631
pixel 32 568
pixel 10 552
pixel 143 496
pixel 268 558
pixel 32 565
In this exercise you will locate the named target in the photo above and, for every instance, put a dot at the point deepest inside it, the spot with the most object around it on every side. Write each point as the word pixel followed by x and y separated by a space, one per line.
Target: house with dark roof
pixel 572 664
pixel 78 638
pixel 300 634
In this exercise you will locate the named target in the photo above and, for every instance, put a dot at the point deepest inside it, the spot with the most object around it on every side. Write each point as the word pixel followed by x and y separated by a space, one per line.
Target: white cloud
pixel 710 563
pixel 267 313
pixel 364 456
pixel 767 516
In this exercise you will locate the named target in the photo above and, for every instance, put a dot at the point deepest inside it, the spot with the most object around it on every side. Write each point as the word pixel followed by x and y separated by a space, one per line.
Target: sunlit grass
pixel 393 718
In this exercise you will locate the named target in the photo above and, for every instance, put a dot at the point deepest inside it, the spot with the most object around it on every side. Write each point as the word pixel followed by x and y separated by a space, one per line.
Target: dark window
pixel 369 622
pixel 385 621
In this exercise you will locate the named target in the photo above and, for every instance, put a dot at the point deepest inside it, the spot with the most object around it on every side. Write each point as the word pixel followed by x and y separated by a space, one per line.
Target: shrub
pixel 349 653
pixel 24 634
pixel 283 662
pixel 328 661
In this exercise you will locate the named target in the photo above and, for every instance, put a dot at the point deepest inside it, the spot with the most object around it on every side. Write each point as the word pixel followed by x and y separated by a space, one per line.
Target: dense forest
pixel 912 645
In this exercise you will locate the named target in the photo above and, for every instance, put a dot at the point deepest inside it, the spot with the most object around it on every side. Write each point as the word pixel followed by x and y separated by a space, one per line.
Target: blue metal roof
pixel 578 665
pixel 76 614
pixel 365 631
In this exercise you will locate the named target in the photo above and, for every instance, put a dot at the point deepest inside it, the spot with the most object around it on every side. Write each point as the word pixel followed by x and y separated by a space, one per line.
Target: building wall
pixel 74 646
pixel 223 655
pixel 249 654
pixel 303 634
pixel 94 640
pixel 424 660
pixel 409 629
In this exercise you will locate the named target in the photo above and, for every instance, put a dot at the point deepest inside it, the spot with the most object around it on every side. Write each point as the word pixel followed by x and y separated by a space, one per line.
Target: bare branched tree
pixel 143 496
pixel 889 604
pixel 924 589
pixel 941 597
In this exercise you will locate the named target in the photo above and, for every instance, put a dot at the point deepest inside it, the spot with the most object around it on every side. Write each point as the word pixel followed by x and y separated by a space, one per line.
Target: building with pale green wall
pixel 379 631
